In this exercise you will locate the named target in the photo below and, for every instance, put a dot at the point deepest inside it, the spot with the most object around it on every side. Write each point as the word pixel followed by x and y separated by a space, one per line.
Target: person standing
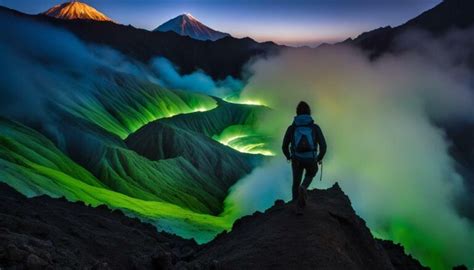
pixel 305 146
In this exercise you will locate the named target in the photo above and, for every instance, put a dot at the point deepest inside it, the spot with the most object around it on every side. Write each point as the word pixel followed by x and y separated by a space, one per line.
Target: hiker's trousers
pixel 309 167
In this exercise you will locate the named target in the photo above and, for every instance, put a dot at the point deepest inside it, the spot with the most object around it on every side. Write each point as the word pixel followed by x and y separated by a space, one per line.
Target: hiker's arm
pixel 322 143
pixel 286 143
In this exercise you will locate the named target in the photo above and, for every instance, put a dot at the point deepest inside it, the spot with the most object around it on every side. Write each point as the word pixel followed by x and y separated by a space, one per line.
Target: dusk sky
pixel 293 23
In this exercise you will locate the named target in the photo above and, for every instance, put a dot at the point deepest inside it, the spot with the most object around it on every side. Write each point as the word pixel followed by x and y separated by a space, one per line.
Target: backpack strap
pixel 315 133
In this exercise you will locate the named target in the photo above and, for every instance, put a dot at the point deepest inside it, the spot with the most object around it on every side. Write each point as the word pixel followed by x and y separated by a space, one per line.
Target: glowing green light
pixel 34 166
pixel 245 139
pixel 123 110
pixel 237 100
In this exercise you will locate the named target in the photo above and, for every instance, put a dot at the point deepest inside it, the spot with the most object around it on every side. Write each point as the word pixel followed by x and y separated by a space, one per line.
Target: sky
pixel 294 23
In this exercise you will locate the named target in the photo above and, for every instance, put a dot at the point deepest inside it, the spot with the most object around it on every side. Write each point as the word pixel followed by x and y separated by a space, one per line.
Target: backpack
pixel 304 145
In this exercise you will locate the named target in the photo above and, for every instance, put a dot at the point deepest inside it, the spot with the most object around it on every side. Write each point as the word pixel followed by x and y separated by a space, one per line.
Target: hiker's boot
pixel 298 208
pixel 302 197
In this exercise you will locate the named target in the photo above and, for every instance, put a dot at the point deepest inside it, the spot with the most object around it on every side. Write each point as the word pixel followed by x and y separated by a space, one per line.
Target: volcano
pixel 76 10
pixel 187 25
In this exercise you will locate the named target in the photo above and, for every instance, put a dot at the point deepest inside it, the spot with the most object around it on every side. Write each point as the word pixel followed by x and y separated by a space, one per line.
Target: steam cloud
pixel 383 147
pixel 197 81
pixel 44 65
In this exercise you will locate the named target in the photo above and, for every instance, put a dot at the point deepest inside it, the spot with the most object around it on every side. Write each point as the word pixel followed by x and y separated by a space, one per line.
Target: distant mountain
pixel 449 14
pixel 187 25
pixel 76 10
pixel 219 59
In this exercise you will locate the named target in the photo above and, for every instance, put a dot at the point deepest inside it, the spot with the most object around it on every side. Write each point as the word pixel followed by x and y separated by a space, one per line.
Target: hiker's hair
pixel 303 108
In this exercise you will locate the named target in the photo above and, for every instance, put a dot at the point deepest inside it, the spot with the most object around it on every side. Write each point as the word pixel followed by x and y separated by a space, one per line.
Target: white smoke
pixel 383 147
pixel 198 81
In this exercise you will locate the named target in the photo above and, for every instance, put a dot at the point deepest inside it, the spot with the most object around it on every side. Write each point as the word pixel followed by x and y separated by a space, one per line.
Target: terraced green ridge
pixel 34 166
pixel 87 121
pixel 231 124
pixel 189 136
pixel 245 139
pixel 122 104
pixel 88 160
pixel 174 180
pixel 215 121
pixel 163 164
pixel 23 151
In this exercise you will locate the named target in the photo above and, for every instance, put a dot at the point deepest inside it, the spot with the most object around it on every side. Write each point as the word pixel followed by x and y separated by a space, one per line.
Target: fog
pixel 383 146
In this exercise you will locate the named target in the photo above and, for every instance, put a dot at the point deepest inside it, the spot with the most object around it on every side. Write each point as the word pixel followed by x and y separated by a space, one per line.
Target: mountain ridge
pixel 186 53
pixel 447 15
pixel 44 232
pixel 329 235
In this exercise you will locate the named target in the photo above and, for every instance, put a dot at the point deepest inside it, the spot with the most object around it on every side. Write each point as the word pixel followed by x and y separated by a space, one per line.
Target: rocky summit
pixel 47 233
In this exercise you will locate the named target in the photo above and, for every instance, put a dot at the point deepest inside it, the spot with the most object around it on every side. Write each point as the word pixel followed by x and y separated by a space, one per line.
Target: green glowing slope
pixel 245 139
pixel 21 146
pixel 220 165
pixel 174 180
pixel 89 124
pixel 122 104
pixel 34 166
pixel 189 136
pixel 87 121
pixel 81 154
pixel 113 165
pixel 214 121
pixel 234 125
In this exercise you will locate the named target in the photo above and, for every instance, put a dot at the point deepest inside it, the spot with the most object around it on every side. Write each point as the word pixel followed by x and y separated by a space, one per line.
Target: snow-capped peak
pixel 187 25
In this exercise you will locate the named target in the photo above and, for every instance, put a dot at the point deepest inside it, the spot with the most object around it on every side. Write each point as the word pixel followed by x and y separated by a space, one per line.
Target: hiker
pixel 300 146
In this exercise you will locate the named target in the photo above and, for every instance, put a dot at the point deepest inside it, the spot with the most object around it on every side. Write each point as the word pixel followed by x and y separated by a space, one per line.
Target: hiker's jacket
pixel 318 136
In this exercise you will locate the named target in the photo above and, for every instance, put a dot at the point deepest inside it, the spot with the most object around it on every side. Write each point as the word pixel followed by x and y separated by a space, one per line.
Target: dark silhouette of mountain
pixel 187 25
pixel 46 233
pixel 462 150
pixel 221 58
pixel 76 10
pixel 448 15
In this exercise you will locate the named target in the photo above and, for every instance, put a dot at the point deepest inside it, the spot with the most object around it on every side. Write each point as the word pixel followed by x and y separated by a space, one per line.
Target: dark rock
pixel 60 234
pixel 279 203
pixel 215 265
pixel 15 254
pixel 101 266
pixel 400 260
pixel 186 253
pixel 181 266
pixel 34 262
pixel 162 261
pixel 328 236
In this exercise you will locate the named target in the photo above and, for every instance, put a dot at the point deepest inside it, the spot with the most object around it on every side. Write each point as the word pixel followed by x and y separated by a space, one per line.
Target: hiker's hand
pixel 320 162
